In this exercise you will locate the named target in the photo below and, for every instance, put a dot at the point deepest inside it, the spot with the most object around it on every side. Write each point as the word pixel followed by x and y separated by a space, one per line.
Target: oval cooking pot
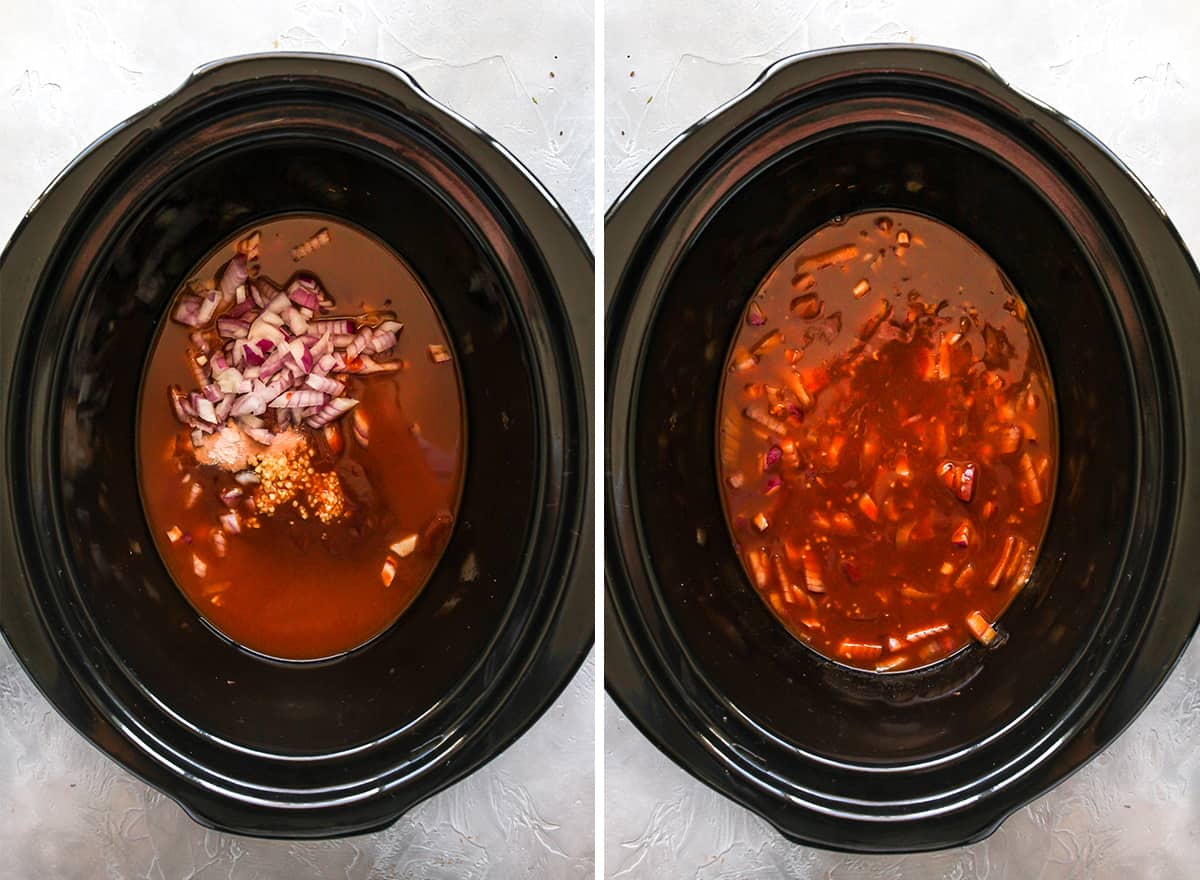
pixel 833 756
pixel 247 744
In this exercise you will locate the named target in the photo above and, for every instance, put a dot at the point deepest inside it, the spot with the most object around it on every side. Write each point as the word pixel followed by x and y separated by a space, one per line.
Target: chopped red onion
pixel 208 307
pixel 304 298
pixel 246 478
pixel 204 409
pixel 336 326
pixel 251 354
pixel 336 407
pixel 382 340
pixel 248 405
pixel 276 356
pixel 231 522
pixel 278 305
pixel 298 399
pixel 774 454
pixel 186 312
pixel 324 384
pixel 245 307
pixel 228 380
pixel 273 364
pixel 295 321
pixel 232 496
pixel 234 276
pixel 260 435
pixel 360 343
pixel 223 408
pixel 365 366
pixel 233 328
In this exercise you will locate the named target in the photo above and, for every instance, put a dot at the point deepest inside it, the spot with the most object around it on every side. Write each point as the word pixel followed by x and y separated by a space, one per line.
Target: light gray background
pixel 1130 73
pixel 68 72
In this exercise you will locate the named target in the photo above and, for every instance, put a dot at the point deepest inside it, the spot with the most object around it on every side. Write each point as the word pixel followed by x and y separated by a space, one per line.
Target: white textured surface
pixel 1130 73
pixel 68 72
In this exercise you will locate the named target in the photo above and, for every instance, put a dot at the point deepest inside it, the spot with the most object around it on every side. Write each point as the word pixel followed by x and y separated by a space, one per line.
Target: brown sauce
pixel 887 442
pixel 314 569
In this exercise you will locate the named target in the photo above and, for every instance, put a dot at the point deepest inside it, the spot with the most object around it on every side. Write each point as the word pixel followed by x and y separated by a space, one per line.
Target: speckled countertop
pixel 1130 73
pixel 71 69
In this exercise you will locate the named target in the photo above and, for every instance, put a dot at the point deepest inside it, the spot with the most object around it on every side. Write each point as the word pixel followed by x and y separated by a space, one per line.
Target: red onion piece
pixel 245 307
pixel 260 435
pixel 246 478
pixel 330 411
pixel 248 405
pixel 304 298
pixel 296 322
pixel 228 380
pixel 273 364
pixel 365 366
pixel 336 326
pixel 187 310
pixel 361 342
pixel 208 307
pixel 205 410
pixel 232 328
pixel 250 354
pixel 298 399
pixel 231 522
pixel 324 384
pixel 234 276
pixel 774 454
pixel 212 392
pixel 382 340
pixel 321 347
pixel 223 408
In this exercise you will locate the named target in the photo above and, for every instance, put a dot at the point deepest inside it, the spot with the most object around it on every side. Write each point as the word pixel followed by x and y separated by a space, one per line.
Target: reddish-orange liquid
pixel 295 587
pixel 887 442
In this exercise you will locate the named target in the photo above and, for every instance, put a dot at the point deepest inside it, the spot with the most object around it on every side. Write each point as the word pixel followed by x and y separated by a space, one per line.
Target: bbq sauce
pixel 335 541
pixel 887 442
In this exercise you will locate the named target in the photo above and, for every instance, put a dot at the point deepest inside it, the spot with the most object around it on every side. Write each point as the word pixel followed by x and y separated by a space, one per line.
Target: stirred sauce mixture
pixel 887 442
pixel 300 438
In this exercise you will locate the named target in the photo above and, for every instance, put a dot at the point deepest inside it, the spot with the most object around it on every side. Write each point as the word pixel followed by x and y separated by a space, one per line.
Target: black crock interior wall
pixel 731 636
pixel 147 622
